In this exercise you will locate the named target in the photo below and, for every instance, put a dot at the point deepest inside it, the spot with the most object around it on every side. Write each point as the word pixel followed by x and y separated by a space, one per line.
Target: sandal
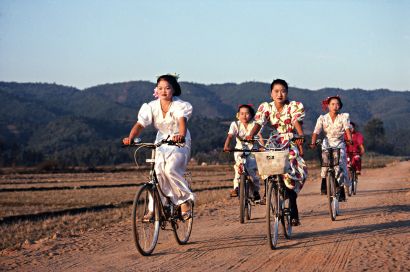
pixel 148 217
pixel 186 212
pixel 295 222
pixel 234 192
pixel 186 215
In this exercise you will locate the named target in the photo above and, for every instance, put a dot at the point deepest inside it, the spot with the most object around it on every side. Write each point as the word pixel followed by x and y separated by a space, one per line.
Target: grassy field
pixel 49 205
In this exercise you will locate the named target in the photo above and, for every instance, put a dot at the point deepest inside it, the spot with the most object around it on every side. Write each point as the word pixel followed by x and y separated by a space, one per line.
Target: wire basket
pixel 330 157
pixel 272 162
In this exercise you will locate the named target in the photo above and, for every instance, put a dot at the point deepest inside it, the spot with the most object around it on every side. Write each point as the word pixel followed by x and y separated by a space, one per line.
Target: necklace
pixel 162 109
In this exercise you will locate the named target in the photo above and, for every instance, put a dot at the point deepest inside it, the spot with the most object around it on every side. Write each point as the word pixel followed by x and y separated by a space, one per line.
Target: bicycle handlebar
pixel 154 145
pixel 242 150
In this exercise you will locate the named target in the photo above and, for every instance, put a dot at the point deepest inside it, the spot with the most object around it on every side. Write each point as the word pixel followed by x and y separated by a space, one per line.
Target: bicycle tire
pixel 145 233
pixel 331 195
pixel 182 228
pixel 285 218
pixel 351 178
pixel 354 183
pixel 272 215
pixel 248 206
pixel 242 199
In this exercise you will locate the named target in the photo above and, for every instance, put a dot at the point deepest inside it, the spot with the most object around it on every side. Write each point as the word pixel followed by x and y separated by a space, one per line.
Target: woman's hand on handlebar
pixel 299 141
pixel 249 137
pixel 126 141
pixel 178 138
pixel 312 145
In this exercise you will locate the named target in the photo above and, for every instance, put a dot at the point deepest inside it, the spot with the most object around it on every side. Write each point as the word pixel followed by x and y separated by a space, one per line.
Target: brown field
pixel 62 197
pixel 213 183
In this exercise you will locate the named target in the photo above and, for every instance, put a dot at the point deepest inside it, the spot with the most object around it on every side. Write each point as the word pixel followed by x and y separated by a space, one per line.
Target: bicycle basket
pixel 330 157
pixel 272 162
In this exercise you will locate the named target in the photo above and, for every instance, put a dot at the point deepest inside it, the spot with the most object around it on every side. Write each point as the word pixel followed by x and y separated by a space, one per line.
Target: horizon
pixel 206 84
pixel 350 44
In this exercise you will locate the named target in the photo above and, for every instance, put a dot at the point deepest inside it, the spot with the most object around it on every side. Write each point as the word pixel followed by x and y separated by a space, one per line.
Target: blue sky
pixel 311 44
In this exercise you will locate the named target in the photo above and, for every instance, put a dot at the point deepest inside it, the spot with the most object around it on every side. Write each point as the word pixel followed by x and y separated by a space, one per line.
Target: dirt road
pixel 372 234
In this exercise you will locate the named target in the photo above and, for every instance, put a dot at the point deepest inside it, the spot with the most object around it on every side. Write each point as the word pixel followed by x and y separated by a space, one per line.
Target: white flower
pixel 155 94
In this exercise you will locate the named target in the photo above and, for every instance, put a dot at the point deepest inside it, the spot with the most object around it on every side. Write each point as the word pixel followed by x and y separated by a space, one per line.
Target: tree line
pixel 208 137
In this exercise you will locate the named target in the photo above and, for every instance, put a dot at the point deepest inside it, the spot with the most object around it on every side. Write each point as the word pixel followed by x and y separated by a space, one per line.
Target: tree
pixel 375 138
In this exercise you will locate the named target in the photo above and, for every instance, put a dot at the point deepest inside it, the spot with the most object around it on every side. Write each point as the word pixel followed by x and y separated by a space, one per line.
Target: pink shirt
pixel 357 139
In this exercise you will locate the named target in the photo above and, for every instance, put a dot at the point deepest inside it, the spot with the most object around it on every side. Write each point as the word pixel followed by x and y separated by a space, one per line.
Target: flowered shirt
pixel 334 131
pixel 282 122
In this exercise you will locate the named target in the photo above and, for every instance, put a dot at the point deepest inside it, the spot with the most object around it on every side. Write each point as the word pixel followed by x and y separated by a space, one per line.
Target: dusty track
pixel 372 234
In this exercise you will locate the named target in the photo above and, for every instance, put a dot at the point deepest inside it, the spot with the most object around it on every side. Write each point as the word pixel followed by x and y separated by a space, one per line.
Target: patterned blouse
pixel 282 122
pixel 334 131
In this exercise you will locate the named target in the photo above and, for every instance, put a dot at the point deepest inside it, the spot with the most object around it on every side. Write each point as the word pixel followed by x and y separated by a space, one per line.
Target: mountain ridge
pixel 32 112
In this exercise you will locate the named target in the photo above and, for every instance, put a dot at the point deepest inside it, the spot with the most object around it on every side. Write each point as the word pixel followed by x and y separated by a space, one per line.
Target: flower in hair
pixel 174 75
pixel 155 94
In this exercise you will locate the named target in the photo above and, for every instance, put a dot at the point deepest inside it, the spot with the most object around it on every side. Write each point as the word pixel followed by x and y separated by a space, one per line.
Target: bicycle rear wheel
pixel 182 228
pixel 354 183
pixel 242 198
pixel 272 215
pixel 285 218
pixel 145 231
pixel 331 195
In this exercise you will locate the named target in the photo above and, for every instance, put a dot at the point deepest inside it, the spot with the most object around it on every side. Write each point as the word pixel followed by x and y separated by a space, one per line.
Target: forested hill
pixel 48 121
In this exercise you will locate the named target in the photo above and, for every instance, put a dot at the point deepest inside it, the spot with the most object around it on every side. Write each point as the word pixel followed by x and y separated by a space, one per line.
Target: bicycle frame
pixel 168 211
pixel 245 201
pixel 331 183
pixel 150 214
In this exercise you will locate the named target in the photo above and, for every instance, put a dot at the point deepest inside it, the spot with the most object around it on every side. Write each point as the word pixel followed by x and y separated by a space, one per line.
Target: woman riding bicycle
pixel 356 150
pixel 334 125
pixel 285 117
pixel 169 115
pixel 239 130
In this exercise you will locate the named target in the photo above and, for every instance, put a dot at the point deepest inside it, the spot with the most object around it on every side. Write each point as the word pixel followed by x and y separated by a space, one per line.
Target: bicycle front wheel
pixel 331 195
pixel 248 206
pixel 182 227
pixel 145 230
pixel 242 199
pixel 272 215
pixel 285 218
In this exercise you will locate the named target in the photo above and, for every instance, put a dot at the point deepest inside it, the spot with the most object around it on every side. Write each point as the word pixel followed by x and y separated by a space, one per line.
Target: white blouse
pixel 241 132
pixel 334 131
pixel 151 113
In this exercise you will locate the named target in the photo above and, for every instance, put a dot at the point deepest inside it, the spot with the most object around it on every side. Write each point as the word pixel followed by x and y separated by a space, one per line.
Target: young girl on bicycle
pixel 169 115
pixel 285 118
pixel 334 125
pixel 356 150
pixel 240 129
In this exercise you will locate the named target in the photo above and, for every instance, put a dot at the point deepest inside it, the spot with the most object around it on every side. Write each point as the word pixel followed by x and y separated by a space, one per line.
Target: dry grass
pixel 30 202
pixel 14 235
pixel 15 203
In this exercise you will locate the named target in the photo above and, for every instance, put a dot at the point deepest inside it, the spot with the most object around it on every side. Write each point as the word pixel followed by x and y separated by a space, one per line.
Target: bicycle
pixel 146 230
pixel 274 162
pixel 246 186
pixel 354 179
pixel 329 158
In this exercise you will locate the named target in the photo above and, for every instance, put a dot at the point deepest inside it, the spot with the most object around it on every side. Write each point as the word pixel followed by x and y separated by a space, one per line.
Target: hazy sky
pixel 311 44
